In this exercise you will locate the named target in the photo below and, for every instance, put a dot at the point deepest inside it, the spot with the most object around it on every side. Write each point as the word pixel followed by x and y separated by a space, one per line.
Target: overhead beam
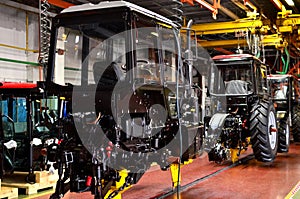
pixel 60 3
pixel 269 40
pixel 212 8
pixel 226 11
pixel 23 7
pixel 223 43
pixel 278 4
pixel 227 27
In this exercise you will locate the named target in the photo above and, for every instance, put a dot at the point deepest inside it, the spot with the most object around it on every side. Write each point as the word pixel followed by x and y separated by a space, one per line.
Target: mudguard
pixel 214 130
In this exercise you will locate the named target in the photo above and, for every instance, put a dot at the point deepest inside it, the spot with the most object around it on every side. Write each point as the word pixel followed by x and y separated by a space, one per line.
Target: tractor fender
pixel 217 120
pixel 214 130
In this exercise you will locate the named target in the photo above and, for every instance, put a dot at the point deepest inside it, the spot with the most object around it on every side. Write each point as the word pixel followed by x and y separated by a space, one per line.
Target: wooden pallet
pixel 44 180
pixel 8 192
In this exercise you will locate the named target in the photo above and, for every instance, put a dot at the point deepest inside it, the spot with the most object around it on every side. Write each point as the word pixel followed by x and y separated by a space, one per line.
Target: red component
pixel 191 2
pixel 88 181
pixel 108 148
pixel 234 56
pixel 44 151
pixel 108 153
pixel 60 3
pixel 244 124
pixel 17 85
pixel 273 129
pixel 222 50
pixel 110 144
pixel 59 141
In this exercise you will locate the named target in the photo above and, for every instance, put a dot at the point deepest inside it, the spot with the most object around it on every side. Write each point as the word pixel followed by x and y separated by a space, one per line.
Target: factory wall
pixel 16 34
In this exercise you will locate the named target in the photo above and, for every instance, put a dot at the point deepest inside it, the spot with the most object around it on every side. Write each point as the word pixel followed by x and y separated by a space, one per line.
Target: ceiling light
pixel 290 2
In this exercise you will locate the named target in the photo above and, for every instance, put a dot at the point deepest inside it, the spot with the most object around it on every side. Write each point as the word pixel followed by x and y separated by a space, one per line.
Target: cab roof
pixel 116 4
pixel 17 85
pixel 234 57
pixel 278 76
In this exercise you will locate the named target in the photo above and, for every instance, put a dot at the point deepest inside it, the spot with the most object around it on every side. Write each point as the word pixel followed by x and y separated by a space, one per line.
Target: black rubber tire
pixel 260 129
pixel 283 135
pixel 296 123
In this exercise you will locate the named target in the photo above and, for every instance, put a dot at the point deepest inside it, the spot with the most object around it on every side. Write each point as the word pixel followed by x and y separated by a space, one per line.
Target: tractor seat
pixel 107 74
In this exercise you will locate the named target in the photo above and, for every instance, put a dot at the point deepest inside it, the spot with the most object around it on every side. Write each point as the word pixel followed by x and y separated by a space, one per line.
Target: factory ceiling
pixel 209 12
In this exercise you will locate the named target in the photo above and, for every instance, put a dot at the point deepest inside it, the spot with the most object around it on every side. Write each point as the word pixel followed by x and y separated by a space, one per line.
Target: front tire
pixel 264 136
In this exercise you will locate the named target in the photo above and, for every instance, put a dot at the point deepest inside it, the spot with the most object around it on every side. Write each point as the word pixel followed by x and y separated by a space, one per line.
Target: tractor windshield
pixel 231 79
pixel 279 87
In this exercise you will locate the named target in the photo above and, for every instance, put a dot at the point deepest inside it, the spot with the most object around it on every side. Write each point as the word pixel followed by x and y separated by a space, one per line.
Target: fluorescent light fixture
pixel 290 2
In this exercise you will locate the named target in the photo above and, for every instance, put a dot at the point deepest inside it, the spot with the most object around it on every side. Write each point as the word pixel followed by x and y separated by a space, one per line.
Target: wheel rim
pixel 287 135
pixel 272 134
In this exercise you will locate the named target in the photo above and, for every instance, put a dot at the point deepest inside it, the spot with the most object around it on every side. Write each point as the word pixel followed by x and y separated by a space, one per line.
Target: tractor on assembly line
pixel 240 111
pixel 285 93
pixel 129 98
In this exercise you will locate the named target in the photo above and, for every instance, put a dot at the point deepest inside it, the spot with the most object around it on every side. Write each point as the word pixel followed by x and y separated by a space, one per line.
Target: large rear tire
pixel 296 123
pixel 283 135
pixel 264 136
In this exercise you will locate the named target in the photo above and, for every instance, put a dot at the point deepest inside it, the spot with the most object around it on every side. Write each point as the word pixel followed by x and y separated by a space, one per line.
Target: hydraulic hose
pixel 285 63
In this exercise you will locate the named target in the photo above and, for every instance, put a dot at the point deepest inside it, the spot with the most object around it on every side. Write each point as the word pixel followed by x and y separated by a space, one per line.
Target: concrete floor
pixel 248 180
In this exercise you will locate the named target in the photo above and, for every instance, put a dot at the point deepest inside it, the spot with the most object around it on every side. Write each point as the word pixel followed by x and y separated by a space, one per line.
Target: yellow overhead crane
pixel 267 40
pixel 289 26
pixel 231 26
pixel 287 22
pixel 252 25
pixel 240 27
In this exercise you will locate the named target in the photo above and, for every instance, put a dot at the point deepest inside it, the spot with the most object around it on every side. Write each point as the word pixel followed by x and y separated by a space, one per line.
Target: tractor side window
pixel 7 122
pixel 147 55
pixel 85 51
pixel 261 75
pixel 7 128
pixel 14 115
pixel 279 88
pixel 68 57
pixel 169 54
pixel 216 81
pixel 19 116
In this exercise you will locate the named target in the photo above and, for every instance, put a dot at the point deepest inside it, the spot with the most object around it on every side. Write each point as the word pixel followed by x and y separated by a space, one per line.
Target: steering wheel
pixel 144 61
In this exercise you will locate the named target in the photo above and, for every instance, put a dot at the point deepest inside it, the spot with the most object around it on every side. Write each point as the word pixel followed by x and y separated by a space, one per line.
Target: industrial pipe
pixel 285 63
pixel 19 48
pixel 19 61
